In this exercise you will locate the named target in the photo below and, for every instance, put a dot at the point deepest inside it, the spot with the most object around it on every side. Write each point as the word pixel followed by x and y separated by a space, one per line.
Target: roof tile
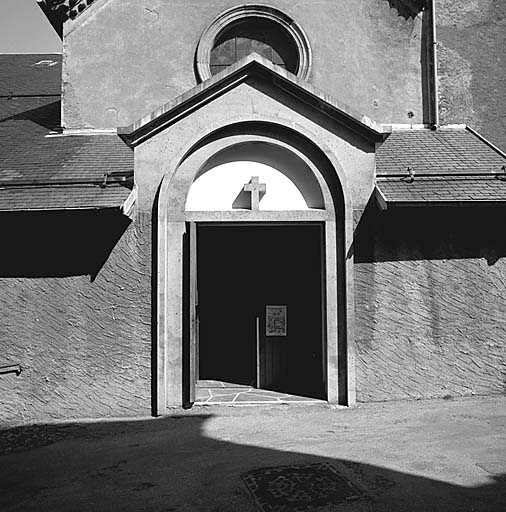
pixel 68 170
pixel 430 190
pixel 450 165
pixel 30 74
pixel 61 197
pixel 446 150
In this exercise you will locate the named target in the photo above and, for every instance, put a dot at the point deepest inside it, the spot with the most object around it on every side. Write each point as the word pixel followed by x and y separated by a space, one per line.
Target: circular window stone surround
pixel 242 12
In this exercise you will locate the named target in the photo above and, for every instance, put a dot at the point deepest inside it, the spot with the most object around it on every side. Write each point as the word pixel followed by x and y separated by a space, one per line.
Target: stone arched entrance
pixel 308 354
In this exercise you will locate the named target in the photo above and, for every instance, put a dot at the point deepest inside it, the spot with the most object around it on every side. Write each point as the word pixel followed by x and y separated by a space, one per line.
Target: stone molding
pixel 242 12
pixel 173 224
pixel 260 68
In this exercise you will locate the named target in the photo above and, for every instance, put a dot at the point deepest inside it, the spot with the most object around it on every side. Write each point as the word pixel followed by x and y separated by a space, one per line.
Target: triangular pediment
pixel 262 71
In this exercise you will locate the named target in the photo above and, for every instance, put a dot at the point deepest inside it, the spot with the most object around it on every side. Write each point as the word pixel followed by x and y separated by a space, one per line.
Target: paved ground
pixel 445 455
pixel 218 392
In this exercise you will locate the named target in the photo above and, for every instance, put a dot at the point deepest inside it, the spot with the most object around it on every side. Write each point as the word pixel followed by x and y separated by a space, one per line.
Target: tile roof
pixel 29 156
pixel 30 75
pixel 448 165
pixel 443 189
pixel 61 197
pixel 436 151
pixel 38 171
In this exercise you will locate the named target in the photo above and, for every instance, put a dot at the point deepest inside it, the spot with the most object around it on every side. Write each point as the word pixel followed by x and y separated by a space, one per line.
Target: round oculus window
pixel 250 29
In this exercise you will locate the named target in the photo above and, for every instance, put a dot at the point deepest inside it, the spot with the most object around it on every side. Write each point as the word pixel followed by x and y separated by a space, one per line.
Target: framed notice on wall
pixel 275 321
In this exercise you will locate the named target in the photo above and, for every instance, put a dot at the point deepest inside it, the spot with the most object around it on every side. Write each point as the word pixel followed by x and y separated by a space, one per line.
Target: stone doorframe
pixel 338 257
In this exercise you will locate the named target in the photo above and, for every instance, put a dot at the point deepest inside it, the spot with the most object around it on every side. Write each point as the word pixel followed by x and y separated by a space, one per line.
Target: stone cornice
pixel 253 66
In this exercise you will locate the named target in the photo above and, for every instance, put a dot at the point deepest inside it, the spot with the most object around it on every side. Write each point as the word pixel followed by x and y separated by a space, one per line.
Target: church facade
pixel 304 198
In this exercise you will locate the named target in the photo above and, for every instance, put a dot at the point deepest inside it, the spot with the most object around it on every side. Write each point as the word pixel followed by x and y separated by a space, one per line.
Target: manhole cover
pixel 299 488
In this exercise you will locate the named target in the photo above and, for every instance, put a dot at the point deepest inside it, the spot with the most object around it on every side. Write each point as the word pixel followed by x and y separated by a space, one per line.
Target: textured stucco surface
pixel 471 65
pixel 124 58
pixel 430 308
pixel 84 346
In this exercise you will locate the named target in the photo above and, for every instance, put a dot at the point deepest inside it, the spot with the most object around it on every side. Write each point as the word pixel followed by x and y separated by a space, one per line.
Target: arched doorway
pixel 258 285
pixel 306 231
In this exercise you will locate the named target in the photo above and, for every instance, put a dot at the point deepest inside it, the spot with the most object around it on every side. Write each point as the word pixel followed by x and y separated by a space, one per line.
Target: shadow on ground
pixel 173 463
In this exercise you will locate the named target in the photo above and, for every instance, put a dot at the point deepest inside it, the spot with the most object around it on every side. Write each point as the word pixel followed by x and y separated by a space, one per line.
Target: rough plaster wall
pixel 471 65
pixel 85 347
pixel 430 329
pixel 124 58
pixel 430 314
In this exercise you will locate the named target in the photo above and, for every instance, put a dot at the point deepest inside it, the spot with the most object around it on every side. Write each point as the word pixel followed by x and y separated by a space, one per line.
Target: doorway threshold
pixel 220 393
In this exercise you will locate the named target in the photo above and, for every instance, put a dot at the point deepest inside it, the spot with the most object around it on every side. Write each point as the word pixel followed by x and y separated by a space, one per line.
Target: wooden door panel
pixel 194 322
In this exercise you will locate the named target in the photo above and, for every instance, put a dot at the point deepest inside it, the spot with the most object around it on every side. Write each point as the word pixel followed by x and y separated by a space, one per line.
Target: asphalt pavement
pixel 434 455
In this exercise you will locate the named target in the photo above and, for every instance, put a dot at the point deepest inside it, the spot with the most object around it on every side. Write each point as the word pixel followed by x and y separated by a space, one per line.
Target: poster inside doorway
pixel 275 321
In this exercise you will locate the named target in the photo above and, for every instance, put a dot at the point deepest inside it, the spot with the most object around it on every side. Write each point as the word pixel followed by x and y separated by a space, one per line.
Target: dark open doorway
pixel 242 269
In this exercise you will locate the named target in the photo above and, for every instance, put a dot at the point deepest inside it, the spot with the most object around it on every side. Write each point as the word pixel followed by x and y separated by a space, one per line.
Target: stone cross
pixel 257 191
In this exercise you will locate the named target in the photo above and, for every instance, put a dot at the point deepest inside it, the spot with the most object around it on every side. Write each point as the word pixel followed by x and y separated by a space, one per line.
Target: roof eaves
pixel 444 203
pixel 386 197
pixel 58 12
pixel 86 199
pixel 380 198
pixel 128 207
pixel 79 7
pixel 13 95
pixel 59 208
pixel 486 141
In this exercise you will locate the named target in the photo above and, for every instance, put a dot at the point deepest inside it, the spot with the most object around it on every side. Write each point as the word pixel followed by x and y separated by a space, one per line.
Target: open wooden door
pixel 259 380
pixel 193 310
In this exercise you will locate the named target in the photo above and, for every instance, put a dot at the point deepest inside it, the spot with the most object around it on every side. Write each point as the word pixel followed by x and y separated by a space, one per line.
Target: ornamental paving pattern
pixel 217 392
pixel 302 488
